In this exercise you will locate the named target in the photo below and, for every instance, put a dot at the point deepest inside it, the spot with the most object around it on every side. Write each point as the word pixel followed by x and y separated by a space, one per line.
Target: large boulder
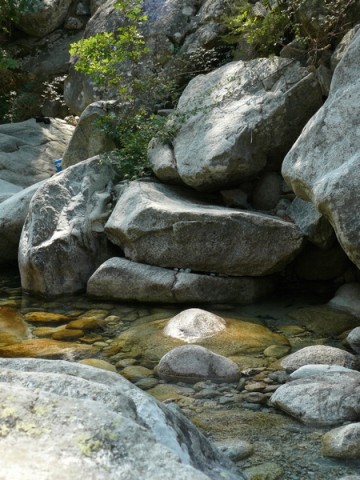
pixel 62 242
pixel 28 150
pixel 43 17
pixel 89 139
pixel 332 134
pixel 13 212
pixel 327 399
pixel 101 424
pixel 124 280
pixel 155 224
pixel 232 120
pixel 347 298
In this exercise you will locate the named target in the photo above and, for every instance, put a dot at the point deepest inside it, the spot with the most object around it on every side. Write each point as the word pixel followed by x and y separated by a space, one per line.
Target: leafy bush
pixel 269 25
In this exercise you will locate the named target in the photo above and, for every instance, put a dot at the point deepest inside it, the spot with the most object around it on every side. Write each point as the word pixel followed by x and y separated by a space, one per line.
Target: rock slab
pixel 155 224
pixel 124 280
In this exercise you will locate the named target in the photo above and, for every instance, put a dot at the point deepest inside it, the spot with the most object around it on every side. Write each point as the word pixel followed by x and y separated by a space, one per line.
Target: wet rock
pixel 192 363
pixel 97 363
pixel 319 354
pixel 342 442
pixel 236 450
pixel 122 279
pixel 62 241
pixel 277 351
pixel 250 243
pixel 12 324
pixel 147 341
pixel 136 372
pixel 45 317
pixel 47 348
pixel 194 324
pixel 324 320
pixel 327 399
pixel 264 471
pixel 66 335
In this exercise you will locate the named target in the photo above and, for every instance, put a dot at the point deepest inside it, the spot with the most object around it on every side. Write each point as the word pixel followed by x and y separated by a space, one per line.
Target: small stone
pixel 277 351
pixel 236 449
pixel 147 383
pixel 192 363
pixel 86 323
pixel 135 373
pixel 319 354
pixel 45 317
pixel 353 339
pixel 125 362
pixel 255 387
pixel 207 393
pixel 97 363
pixel 66 335
pixel 264 471
pixel 342 442
pixel 255 397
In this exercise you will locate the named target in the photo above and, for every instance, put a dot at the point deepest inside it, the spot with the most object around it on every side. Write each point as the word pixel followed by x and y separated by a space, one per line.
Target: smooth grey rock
pixel 122 279
pixel 162 161
pixel 327 399
pixel 28 150
pixel 62 242
pixel 347 298
pixel 193 363
pixel 121 418
pixel 342 47
pixel 342 442
pixel 194 324
pixel 43 17
pixel 233 118
pixel 332 134
pixel 353 339
pixel 318 370
pixel 89 139
pixel 319 354
pixel 155 224
pixel 7 190
pixel 12 217
pixel 267 191
pixel 312 224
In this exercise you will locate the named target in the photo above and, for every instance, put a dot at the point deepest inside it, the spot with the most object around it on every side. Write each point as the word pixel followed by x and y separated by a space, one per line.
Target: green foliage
pixel 101 55
pixel 133 136
pixel 271 24
pixel 111 60
pixel 259 25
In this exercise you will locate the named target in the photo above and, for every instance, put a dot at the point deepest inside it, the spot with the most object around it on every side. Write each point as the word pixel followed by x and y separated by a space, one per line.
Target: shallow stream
pixel 238 417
